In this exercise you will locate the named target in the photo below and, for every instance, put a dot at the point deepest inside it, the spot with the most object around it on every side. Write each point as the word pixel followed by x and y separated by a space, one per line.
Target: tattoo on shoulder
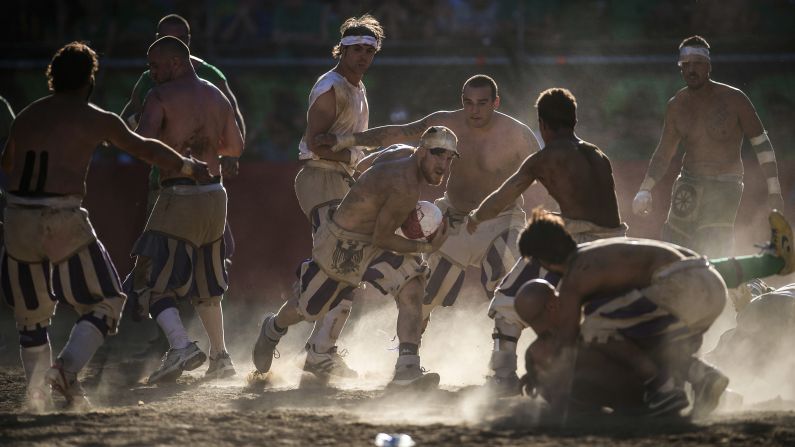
pixel 415 129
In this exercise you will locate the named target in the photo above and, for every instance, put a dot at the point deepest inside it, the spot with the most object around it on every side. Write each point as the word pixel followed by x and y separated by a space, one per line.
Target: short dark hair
pixel 174 19
pixel 558 108
pixel 72 67
pixel 366 25
pixel 172 46
pixel 545 238
pixel 694 41
pixel 481 80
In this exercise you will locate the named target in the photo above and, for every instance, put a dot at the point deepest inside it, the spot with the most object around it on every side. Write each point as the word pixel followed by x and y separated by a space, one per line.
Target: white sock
pixel 327 330
pixel 503 355
pixel 169 321
pixel 83 342
pixel 36 360
pixel 212 317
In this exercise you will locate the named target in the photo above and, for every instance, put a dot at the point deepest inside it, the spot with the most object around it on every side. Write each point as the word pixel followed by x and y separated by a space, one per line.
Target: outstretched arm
pixel 507 194
pixel 131 112
pixel 382 156
pixel 150 150
pixel 385 135
pixel 756 134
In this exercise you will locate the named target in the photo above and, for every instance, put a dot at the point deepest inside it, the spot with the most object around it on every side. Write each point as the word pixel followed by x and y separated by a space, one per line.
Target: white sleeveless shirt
pixel 352 112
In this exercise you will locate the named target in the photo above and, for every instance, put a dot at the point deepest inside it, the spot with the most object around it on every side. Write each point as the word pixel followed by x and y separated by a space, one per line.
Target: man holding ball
pixel 356 242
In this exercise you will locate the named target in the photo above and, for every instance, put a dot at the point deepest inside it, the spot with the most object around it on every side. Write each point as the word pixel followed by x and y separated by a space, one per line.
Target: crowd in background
pixel 289 27
pixel 621 105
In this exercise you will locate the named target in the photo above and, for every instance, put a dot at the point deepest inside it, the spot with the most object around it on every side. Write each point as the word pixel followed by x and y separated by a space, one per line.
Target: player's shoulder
pixel 509 122
pixel 208 71
pixel 733 94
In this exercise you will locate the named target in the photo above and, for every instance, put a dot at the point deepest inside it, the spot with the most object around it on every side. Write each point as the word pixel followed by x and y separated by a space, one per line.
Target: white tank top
pixel 352 111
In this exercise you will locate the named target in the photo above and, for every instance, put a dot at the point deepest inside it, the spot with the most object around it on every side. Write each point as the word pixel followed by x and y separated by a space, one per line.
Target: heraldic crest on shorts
pixel 347 256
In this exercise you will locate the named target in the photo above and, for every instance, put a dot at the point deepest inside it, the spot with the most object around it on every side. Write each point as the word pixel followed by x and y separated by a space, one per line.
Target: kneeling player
pixel 646 305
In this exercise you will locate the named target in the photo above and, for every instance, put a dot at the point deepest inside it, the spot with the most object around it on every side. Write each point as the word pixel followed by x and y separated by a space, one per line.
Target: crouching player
pixel 644 306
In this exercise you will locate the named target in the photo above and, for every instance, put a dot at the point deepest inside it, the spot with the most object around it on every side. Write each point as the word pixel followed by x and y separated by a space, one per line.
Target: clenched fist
pixel 641 206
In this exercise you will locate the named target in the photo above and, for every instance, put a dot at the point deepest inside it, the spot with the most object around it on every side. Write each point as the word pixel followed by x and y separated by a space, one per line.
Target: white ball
pixel 422 223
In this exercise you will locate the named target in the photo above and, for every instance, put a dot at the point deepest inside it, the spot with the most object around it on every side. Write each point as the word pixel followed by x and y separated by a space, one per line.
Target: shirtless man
pixel 492 144
pixel 710 119
pixel 176 26
pixel 51 251
pixel 357 242
pixel 579 177
pixel 646 305
pixel 182 244
pixel 337 103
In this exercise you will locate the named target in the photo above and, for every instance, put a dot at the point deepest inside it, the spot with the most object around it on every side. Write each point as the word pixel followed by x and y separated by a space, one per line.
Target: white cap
pixel 439 136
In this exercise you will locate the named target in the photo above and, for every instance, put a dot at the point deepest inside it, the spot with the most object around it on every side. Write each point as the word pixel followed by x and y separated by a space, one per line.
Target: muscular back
pixel 579 177
pixel 50 146
pixel 488 156
pixel 389 186
pixel 195 118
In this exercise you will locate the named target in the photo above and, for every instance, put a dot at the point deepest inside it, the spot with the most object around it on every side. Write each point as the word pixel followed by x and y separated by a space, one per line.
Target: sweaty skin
pixel 710 120
pixel 608 267
pixel 575 173
pixel 134 106
pixel 189 114
pixel 52 141
pixel 491 145
pixel 385 194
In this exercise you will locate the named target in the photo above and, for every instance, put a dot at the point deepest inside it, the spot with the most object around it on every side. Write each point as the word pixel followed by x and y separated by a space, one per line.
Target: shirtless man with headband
pixel 710 120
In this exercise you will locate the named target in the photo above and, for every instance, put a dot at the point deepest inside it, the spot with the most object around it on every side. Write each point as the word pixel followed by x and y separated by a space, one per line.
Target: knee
pixel 158 304
pixel 33 336
pixel 102 323
pixel 411 294
pixel 503 310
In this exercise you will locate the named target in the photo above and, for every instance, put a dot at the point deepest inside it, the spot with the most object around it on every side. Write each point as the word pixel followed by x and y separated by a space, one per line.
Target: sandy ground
pixel 193 411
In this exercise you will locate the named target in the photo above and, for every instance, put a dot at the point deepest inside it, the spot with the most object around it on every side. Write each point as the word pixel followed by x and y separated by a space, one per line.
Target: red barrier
pixel 273 236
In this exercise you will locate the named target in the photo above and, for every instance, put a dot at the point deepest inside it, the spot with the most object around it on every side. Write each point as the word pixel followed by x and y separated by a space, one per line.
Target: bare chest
pixel 707 123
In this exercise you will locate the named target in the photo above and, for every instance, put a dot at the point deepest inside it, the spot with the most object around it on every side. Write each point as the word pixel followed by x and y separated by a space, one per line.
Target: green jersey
pixel 208 72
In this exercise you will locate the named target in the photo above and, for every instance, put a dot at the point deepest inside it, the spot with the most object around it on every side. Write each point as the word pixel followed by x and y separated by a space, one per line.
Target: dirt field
pixel 197 412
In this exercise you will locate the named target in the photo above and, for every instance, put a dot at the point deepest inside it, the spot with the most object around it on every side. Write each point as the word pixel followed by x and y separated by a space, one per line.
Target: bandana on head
pixel 687 53
pixel 360 40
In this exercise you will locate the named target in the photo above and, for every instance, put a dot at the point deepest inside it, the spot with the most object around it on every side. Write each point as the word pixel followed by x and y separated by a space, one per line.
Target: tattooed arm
pixel 507 194
pixel 387 135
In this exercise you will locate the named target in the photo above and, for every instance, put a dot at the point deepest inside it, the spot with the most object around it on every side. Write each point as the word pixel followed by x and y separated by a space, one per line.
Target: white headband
pixel 694 51
pixel 360 40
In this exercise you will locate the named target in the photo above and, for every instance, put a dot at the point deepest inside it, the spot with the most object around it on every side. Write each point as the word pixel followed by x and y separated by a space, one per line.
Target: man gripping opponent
pixel 710 119
pixel 641 303
pixel 492 144
pixel 579 177
pixel 51 251
pixel 182 244
pixel 356 242
pixel 338 104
